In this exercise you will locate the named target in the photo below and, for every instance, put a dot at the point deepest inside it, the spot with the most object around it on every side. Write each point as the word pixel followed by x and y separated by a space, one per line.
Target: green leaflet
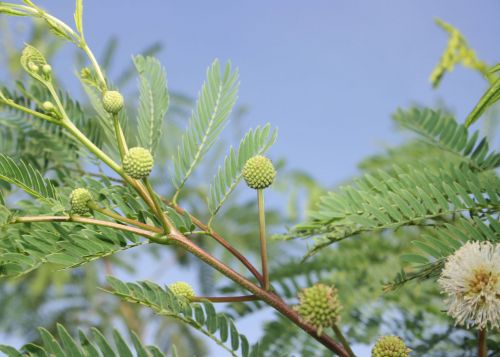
pixel 433 247
pixel 255 142
pixel 153 101
pixel 202 316
pixel 411 195
pixel 27 178
pixel 215 102
pixel 444 132
pixel 94 344
pixel 490 97
pixel 24 249
pixel 78 16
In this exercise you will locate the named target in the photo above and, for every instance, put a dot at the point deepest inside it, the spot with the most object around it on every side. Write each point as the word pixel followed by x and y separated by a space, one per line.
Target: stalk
pixel 120 137
pixel 482 349
pixel 167 225
pixel 343 340
pixel 262 236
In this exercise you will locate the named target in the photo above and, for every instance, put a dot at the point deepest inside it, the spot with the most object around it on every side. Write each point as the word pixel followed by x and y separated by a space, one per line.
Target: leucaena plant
pixel 447 190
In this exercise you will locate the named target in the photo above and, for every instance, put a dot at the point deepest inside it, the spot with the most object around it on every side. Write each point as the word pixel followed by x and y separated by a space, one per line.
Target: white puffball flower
pixel 471 279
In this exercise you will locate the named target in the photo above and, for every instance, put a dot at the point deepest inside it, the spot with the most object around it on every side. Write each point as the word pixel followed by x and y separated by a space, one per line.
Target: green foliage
pixel 94 344
pixel 489 98
pixel 255 142
pixel 27 178
pixel 213 107
pixel 24 249
pixel 153 101
pixel 202 317
pixel 444 132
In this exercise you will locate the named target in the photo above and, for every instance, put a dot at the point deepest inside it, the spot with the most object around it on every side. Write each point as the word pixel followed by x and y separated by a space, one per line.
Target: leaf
pixel 202 317
pixel 490 97
pixel 78 16
pixel 27 178
pixel 153 100
pixel 255 142
pixel 215 102
pixel 65 345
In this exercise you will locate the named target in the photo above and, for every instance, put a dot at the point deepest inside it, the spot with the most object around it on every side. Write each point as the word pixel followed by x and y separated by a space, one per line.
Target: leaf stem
pixel 482 348
pixel 262 236
pixel 120 137
pixel 118 217
pixel 167 225
pixel 85 220
pixel 343 340
pixel 14 105
pixel 225 298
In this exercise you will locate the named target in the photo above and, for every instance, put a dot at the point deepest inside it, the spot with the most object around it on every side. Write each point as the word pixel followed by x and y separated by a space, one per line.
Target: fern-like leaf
pixel 490 97
pixel 433 247
pixel 94 344
pixel 203 317
pixel 213 107
pixel 412 196
pixel 27 178
pixel 255 142
pixel 153 100
pixel 443 131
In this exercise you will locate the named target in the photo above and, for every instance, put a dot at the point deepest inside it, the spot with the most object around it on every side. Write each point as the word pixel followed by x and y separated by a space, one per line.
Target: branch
pixel 225 298
pixel 213 234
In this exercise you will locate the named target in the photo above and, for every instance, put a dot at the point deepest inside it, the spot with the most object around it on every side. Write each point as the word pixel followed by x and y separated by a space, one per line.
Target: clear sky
pixel 327 73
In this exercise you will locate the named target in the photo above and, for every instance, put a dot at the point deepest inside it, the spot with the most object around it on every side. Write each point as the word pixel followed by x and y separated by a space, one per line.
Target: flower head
pixel 259 172
pixel 319 305
pixel 181 288
pixel 471 279
pixel 138 163
pixel 112 101
pixel 79 199
pixel 390 346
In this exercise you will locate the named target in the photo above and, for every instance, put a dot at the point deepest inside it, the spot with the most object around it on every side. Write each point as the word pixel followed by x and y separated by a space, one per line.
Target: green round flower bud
pixel 183 289
pixel 112 101
pixel 47 69
pixel 33 67
pixel 319 305
pixel 259 172
pixel 48 106
pixel 138 163
pixel 390 346
pixel 79 200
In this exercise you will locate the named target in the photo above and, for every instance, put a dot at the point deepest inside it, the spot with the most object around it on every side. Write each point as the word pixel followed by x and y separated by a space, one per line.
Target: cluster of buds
pixel 319 306
pixel 138 163
pixel 259 172
pixel 390 346
pixel 181 288
pixel 79 200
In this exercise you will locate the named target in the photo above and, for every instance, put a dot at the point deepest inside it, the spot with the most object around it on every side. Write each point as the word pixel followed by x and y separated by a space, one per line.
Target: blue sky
pixel 328 74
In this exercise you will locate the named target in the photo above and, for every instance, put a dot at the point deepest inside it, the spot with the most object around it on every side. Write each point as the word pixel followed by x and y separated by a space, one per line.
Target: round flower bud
pixel 48 106
pixel 47 69
pixel 183 289
pixel 112 101
pixel 33 67
pixel 79 200
pixel 319 305
pixel 138 163
pixel 259 172
pixel 390 346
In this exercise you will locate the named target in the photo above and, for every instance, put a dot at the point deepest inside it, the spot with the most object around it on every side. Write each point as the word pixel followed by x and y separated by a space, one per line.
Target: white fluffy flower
pixel 471 278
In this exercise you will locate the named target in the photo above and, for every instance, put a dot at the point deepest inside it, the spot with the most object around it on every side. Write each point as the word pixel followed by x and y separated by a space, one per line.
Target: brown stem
pixel 482 349
pixel 225 298
pixel 213 234
pixel 270 298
